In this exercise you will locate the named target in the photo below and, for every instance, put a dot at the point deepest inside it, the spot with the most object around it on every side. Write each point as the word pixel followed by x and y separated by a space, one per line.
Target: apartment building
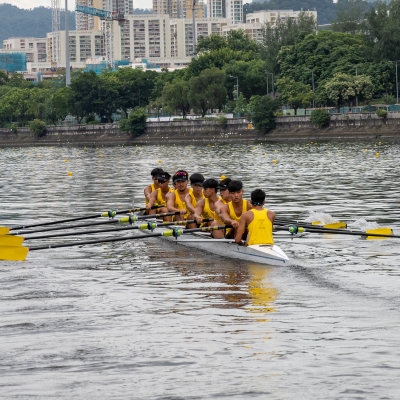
pixel 34 48
pixel 179 8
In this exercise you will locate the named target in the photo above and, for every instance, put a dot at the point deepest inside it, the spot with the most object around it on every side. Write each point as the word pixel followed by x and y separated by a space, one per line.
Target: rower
pixel 224 198
pixel 195 194
pixel 152 187
pixel 205 208
pixel 176 199
pixel 258 221
pixel 230 213
pixel 158 196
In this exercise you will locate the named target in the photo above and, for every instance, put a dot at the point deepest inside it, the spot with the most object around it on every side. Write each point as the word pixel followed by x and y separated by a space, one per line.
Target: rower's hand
pixel 182 211
pixel 148 207
pixel 235 224
pixel 199 220
pixel 241 243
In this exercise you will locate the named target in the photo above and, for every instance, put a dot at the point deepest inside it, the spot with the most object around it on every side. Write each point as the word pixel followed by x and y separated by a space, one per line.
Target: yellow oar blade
pixel 336 225
pixel 13 253
pixel 4 230
pixel 316 222
pixel 9 240
pixel 380 231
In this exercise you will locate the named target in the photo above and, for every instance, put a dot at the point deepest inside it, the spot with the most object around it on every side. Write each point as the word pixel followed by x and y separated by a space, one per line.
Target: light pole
pixel 273 89
pixel 356 67
pixel 397 83
pixel 67 70
pixel 237 85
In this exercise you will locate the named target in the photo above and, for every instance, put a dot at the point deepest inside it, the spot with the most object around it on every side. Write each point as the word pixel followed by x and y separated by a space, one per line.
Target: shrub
pixel 320 117
pixel 90 119
pixel 263 109
pixel 135 123
pixel 381 113
pixel 38 127
pixel 223 121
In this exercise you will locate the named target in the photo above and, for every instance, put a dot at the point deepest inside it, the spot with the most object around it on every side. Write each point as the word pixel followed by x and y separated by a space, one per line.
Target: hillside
pixel 19 22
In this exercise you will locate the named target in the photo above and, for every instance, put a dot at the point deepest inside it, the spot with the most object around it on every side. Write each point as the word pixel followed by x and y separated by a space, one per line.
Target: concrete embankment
pixel 290 128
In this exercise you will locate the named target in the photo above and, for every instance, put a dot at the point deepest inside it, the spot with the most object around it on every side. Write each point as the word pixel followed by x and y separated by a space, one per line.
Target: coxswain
pixel 176 199
pixel 158 196
pixel 153 186
pixel 195 194
pixel 231 212
pixel 258 221
pixel 205 208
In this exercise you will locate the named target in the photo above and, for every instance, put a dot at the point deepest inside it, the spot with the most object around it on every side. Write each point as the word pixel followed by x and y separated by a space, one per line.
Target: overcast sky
pixel 71 3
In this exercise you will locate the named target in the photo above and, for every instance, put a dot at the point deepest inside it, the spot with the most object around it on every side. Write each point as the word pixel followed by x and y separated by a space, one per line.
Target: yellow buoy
pixel 70 173
pixel 66 160
pixel 377 154
pixel 222 177
pixel 366 150
pixel 159 161
pixel 380 143
pixel 274 161
pixel 100 155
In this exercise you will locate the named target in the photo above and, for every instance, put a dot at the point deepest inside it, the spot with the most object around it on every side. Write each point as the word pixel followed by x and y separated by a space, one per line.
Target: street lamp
pixel 237 85
pixel 67 70
pixel 356 67
pixel 397 83
pixel 273 89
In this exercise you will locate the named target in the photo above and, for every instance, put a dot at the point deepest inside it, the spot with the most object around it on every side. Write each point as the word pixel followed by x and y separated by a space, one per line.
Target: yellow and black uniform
pixel 207 212
pixel 194 200
pixel 260 229
pixel 153 188
pixel 179 204
pixel 160 201
pixel 232 214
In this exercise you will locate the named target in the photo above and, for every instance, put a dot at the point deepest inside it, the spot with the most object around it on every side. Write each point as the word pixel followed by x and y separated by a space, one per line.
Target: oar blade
pixel 379 231
pixel 4 230
pixel 336 225
pixel 13 253
pixel 9 240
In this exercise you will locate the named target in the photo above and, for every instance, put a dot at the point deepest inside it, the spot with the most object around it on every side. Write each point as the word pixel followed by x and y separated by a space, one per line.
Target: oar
pixel 149 225
pixel 130 219
pixel 369 233
pixel 107 214
pixel 14 253
pixel 333 225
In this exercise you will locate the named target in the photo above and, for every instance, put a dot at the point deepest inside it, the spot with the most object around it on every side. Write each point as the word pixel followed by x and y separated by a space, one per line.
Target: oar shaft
pixel 111 221
pixel 81 218
pixel 133 237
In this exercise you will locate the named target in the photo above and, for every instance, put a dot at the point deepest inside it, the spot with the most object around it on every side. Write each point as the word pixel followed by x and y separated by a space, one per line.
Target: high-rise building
pixel 179 8
pixel 216 9
pixel 234 11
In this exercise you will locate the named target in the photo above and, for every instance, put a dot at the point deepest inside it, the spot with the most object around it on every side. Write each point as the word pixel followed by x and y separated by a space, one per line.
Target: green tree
pixel 320 117
pixel 135 123
pixel 210 43
pixel 17 80
pixel 108 99
pixel 207 91
pixel 284 33
pixel 38 127
pixel 176 97
pixel 3 78
pixel 297 94
pixel 241 105
pixel 263 109
pixel 16 104
pixel 350 16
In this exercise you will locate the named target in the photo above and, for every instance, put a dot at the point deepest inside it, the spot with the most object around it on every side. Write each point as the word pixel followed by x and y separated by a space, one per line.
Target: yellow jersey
pixel 153 188
pixel 179 204
pixel 194 200
pixel 260 229
pixel 207 212
pixel 232 214
pixel 160 201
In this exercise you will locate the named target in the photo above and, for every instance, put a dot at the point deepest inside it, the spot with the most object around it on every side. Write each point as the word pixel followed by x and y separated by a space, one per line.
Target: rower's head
pixel 180 180
pixel 163 179
pixel 210 187
pixel 223 189
pixel 196 182
pixel 258 198
pixel 236 190
pixel 155 172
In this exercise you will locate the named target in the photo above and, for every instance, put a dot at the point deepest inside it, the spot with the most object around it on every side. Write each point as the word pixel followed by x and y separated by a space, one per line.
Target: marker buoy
pixel 70 173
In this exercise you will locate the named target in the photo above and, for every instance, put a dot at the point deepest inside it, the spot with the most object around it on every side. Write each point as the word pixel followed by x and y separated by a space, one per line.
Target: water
pixel 152 320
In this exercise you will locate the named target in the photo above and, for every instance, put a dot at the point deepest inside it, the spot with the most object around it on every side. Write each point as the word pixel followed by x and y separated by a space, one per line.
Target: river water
pixel 151 320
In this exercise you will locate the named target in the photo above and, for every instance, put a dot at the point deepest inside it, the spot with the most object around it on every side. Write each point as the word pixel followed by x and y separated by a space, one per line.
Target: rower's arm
pixel 224 215
pixel 152 199
pixel 198 211
pixel 170 197
pixel 147 192
pixel 189 205
pixel 271 216
pixel 241 230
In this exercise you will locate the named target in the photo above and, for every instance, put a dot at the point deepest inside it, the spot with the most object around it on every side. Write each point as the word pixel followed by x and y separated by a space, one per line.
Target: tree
pixel 176 96
pixel 320 117
pixel 135 123
pixel 16 103
pixel 350 16
pixel 382 30
pixel 284 33
pixel 207 91
pixel 262 109
pixel 3 78
pixel 17 80
pixel 38 127
pixel 296 94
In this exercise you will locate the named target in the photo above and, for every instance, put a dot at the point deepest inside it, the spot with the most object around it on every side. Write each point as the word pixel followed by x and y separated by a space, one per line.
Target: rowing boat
pixel 264 254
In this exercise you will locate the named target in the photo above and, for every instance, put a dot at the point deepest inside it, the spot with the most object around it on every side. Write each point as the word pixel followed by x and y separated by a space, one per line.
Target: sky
pixel 71 3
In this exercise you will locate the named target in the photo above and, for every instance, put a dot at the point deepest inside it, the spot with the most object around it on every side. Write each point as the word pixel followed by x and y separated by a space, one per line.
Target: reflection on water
pixel 161 321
